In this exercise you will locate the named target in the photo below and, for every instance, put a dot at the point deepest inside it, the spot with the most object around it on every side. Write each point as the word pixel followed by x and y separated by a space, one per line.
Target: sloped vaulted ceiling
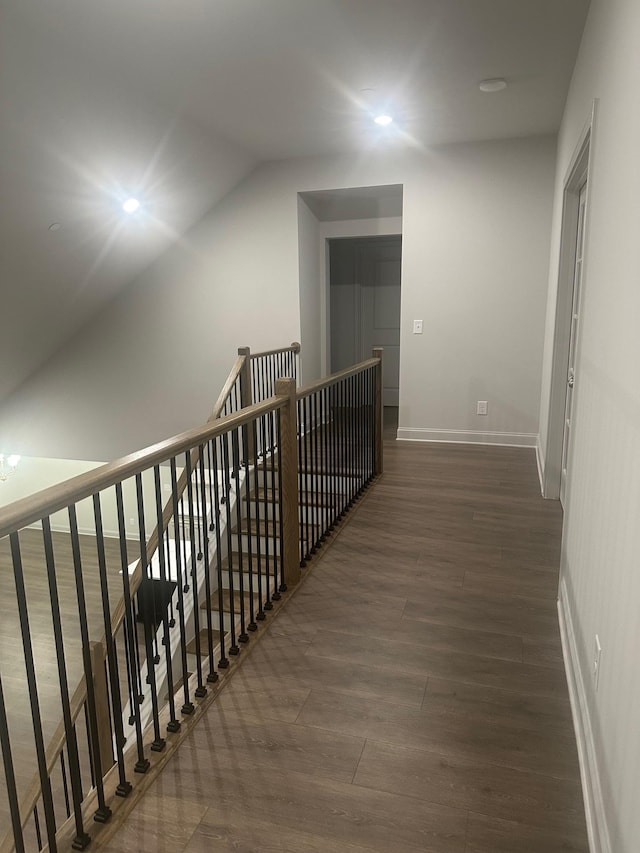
pixel 176 101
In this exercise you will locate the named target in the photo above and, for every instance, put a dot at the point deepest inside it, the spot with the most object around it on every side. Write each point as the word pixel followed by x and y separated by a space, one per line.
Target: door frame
pixel 576 175
pixel 351 228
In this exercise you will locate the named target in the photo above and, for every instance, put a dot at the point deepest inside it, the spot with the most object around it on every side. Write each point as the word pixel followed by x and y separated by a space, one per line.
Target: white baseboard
pixel 500 439
pixel 540 463
pixel 598 831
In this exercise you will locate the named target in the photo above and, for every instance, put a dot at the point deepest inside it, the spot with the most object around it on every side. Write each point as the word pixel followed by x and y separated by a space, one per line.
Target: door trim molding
pixel 577 172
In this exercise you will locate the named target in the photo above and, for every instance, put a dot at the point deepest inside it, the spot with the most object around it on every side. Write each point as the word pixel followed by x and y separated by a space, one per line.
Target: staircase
pixel 252 495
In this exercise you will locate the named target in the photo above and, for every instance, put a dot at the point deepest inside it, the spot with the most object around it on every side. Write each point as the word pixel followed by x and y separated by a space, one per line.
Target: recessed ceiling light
pixel 495 84
pixel 384 121
pixel 131 205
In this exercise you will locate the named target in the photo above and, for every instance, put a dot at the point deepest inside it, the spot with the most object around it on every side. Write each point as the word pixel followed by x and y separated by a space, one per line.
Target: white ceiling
pixel 178 99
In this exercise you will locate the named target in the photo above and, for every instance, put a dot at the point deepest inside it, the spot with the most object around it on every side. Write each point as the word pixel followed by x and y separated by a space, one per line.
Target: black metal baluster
pixel 81 839
pixel 243 637
pixel 341 447
pixel 269 517
pixel 250 431
pixel 319 474
pixel 150 623
pixel 268 473
pixel 124 787
pixel 254 384
pixel 65 783
pixel 376 434
pixel 308 476
pixel 187 707
pixel 167 621
pixel 207 524
pixel 271 524
pixel 304 551
pixel 300 436
pixel 278 517
pixel 45 783
pixel 200 690
pixel 223 663
pixel 263 383
pixel 352 441
pixel 198 520
pixel 9 775
pixel 143 763
pixel 332 426
pixel 358 384
pixel 323 512
pixel 258 427
pixel 36 823
pixel 227 488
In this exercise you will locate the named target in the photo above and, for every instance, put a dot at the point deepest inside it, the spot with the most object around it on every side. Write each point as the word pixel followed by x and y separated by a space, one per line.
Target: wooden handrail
pixel 295 347
pixel 35 507
pixel 328 381
pixel 226 388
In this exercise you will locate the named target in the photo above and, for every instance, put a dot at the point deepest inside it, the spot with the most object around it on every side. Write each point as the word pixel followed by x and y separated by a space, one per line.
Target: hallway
pixel 409 697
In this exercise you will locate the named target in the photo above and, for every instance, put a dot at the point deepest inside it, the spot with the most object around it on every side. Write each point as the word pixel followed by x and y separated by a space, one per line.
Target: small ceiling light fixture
pixel 131 205
pixel 383 121
pixel 8 465
pixel 495 84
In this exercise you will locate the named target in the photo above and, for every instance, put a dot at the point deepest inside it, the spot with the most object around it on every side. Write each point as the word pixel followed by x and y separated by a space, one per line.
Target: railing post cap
pixel 295 346
pixel 285 386
pixel 244 351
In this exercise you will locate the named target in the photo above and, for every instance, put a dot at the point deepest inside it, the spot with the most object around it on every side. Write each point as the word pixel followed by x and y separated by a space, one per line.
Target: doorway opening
pixel 564 376
pixel 364 309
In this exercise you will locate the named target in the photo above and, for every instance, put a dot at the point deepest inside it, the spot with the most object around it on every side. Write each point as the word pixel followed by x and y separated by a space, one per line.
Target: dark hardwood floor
pixel 410 697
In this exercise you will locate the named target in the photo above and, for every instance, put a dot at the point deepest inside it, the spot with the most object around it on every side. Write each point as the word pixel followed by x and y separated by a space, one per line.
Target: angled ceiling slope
pixel 177 101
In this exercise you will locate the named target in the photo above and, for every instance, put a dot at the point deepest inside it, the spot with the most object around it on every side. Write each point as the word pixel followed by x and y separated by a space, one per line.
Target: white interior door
pixel 380 266
pixel 575 318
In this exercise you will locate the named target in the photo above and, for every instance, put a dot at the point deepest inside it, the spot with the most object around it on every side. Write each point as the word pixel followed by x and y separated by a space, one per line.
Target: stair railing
pixel 339 447
pixel 90 738
pixel 239 539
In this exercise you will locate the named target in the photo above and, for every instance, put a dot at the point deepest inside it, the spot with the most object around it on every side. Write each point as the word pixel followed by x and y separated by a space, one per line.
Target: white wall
pixel 36 474
pixel 600 580
pixel 475 255
pixel 476 235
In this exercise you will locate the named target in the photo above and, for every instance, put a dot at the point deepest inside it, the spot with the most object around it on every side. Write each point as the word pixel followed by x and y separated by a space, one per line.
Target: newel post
pixel 246 399
pixel 101 693
pixel 288 472
pixel 378 410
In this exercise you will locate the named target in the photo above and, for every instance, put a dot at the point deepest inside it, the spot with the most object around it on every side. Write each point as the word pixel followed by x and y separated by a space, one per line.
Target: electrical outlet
pixel 482 407
pixel 597 654
pixel 167 487
pixel 417 327
pixel 132 521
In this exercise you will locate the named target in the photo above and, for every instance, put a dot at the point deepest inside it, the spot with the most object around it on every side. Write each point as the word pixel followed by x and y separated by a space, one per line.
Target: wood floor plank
pixel 275 745
pixel 394 655
pixel 427 728
pixel 410 697
pixel 491 835
pixel 497 612
pixel 343 814
pixel 535 799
